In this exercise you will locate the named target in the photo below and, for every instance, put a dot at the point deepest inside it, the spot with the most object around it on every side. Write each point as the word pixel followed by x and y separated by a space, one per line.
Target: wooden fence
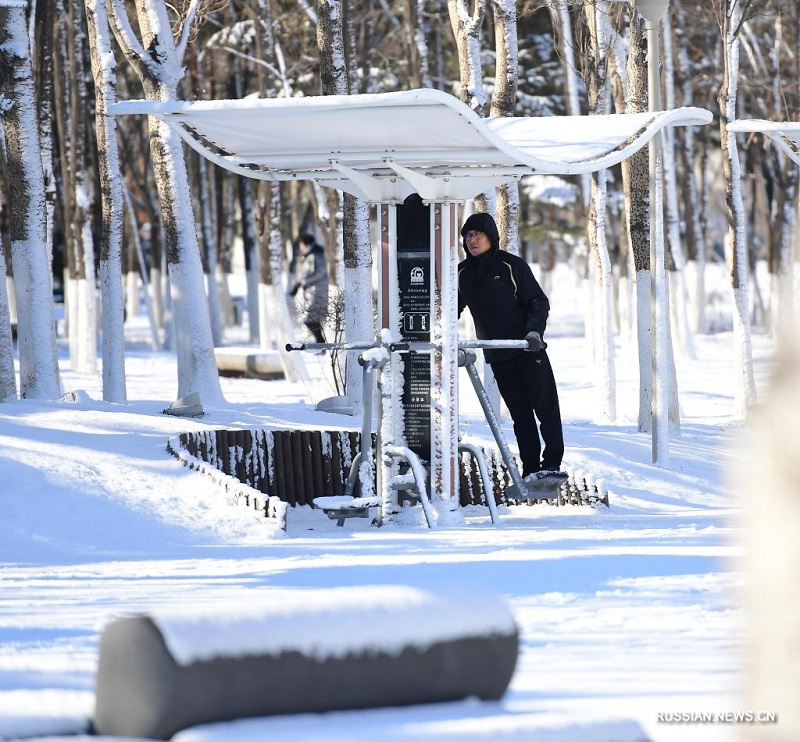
pixel 298 465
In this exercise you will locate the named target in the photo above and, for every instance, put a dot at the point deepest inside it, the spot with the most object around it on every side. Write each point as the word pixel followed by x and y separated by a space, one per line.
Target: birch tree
pixel 636 186
pixel 676 263
pixel 602 334
pixel 560 16
pixel 692 208
pixel 779 102
pixel 8 383
pixel 43 21
pixel 736 239
pixel 71 104
pixel 504 99
pixel 359 326
pixel 275 319
pixel 30 252
pixel 466 22
pixel 418 31
pixel 156 58
pixel 111 201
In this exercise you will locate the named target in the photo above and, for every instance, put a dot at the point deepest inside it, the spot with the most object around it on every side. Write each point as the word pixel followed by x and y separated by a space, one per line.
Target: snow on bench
pixel 249 361
pixel 341 507
pixel 300 651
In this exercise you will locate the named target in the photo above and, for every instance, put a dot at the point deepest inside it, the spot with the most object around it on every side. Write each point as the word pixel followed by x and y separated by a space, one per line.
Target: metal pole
pixel 658 319
pixel 494 425
pixel 444 359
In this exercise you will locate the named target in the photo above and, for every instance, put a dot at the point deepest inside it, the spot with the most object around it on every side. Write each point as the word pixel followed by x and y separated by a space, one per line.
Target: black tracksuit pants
pixel 528 388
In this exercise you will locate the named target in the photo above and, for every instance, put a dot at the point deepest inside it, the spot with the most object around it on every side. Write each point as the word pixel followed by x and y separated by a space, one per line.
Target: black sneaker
pixel 548 474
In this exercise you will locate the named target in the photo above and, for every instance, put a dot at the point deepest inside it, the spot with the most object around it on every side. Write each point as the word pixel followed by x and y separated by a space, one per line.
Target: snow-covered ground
pixel 629 616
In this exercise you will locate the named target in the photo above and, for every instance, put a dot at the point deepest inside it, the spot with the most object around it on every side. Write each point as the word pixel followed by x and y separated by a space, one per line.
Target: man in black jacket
pixel 507 303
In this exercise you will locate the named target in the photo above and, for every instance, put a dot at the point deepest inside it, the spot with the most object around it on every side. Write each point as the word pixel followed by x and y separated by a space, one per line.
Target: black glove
pixel 534 341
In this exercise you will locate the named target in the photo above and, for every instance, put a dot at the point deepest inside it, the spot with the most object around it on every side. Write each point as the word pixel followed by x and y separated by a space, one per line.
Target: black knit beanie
pixel 482 222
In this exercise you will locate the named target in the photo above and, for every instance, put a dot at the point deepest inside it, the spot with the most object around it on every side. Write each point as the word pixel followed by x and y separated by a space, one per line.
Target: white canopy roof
pixel 383 147
pixel 785 134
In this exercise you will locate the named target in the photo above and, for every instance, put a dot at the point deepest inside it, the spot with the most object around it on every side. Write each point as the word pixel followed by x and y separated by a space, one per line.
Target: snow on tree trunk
pixel 194 344
pixel 467 30
pixel 644 233
pixel 604 377
pixel 132 298
pixel 504 100
pixel 559 13
pixel 677 272
pixel 601 327
pixel 147 286
pixel 622 292
pixel 359 324
pixel 330 41
pixel 421 75
pixel 250 247
pixel 30 253
pixel 782 293
pixel 156 60
pixel 643 330
pixel 40 29
pixel 8 384
pixel 276 319
pixel 82 198
pixel 736 241
pixel 356 238
pixel 211 249
pixel 785 176
pixel 692 208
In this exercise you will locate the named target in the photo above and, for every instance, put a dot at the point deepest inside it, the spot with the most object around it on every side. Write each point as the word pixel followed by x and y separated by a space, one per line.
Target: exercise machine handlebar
pixel 412 346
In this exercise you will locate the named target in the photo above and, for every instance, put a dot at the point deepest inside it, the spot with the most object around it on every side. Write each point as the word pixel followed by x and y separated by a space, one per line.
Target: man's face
pixel 477 242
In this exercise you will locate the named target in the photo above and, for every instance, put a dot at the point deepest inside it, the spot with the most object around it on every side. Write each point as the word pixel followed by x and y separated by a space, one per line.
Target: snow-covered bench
pixel 300 651
pixel 341 507
pixel 248 361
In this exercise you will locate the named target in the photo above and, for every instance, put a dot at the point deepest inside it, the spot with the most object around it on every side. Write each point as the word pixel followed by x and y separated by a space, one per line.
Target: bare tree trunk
pixel 30 252
pixel 250 247
pixel 357 248
pixel 276 320
pixel 692 207
pixel 467 30
pixel 43 56
pixel 677 264
pixel 417 30
pixel 8 383
pixel 504 101
pixel 210 252
pixel 602 331
pixel 561 20
pixel 113 336
pixel 156 60
pixel 785 185
pixel 73 103
pixel 736 242
pixel 636 185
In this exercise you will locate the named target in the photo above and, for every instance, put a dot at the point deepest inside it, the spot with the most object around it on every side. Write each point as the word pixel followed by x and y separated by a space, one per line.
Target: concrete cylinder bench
pixel 300 652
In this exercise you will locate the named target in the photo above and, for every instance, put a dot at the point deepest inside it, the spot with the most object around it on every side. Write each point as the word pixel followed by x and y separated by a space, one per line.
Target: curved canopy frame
pixel 386 146
pixel 785 134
